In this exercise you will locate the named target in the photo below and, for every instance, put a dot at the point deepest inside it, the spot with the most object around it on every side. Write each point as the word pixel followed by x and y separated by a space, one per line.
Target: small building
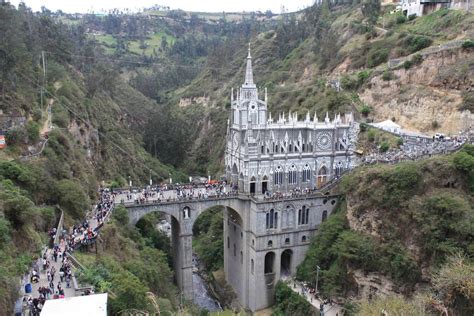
pixel 422 7
pixel 90 305
pixel 389 126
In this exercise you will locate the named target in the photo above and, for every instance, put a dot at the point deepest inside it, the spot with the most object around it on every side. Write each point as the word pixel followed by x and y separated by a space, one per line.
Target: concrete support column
pixel 182 259
pixel 186 256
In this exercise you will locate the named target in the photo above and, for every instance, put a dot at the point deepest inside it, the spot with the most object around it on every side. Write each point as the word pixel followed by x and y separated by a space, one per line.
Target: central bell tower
pixel 247 109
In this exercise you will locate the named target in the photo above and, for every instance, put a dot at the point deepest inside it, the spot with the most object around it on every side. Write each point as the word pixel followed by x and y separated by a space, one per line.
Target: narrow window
pixel 325 215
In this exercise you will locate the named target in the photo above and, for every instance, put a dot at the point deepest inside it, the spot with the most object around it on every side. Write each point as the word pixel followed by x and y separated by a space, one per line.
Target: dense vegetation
pixel 290 303
pixel 208 241
pixel 133 266
pixel 408 222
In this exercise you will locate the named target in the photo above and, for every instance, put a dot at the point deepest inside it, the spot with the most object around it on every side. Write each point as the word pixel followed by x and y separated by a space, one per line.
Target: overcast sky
pixel 75 6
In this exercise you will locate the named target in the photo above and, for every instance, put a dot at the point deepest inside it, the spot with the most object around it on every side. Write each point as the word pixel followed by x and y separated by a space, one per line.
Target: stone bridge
pixel 263 239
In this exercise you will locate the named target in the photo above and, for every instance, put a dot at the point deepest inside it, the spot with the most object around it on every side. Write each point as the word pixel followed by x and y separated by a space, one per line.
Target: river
pixel 202 295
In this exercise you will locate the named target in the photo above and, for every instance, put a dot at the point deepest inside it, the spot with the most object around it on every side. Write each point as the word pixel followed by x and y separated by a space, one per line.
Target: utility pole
pixel 317 278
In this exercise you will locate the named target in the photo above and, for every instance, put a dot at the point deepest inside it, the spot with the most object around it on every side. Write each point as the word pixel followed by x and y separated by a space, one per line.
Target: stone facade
pixel 263 155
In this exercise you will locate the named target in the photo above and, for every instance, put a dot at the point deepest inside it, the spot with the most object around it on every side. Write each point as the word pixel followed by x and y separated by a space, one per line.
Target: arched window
pixel 303 216
pixel 252 266
pixel 278 176
pixel 292 175
pixel 306 173
pixel 235 250
pixel 322 176
pixel 228 242
pixel 269 262
pixel 325 215
pixel 303 239
pixel 339 169
pixel 270 244
pixel 241 257
pixel 287 241
pixel 272 219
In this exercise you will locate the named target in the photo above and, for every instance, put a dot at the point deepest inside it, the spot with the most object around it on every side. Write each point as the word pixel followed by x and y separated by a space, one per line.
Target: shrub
pixel 387 75
pixel 399 141
pixel 32 129
pixel 411 17
pixel 16 136
pixel 401 19
pixel 384 146
pixel 468 44
pixel 121 215
pixel 371 135
pixel 419 42
pixel 467 102
pixel 376 57
pixel 287 302
pixel 415 60
pixel 72 198
pixel 463 161
pixel 365 110
pixel 349 83
pixel 434 124
pixel 363 127
pixel 36 114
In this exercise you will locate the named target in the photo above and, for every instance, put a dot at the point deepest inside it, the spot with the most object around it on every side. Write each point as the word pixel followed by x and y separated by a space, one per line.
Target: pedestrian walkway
pixel 49 272
pixel 329 309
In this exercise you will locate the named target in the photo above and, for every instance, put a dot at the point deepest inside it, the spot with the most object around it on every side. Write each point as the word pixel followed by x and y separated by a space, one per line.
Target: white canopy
pixel 90 305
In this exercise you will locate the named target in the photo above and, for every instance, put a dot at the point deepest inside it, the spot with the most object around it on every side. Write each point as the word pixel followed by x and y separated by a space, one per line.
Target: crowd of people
pixel 84 234
pixel 54 287
pixel 171 193
pixel 53 281
pixel 415 148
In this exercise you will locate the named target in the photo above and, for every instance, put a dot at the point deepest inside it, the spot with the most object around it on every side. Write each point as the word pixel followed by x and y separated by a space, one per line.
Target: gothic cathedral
pixel 263 156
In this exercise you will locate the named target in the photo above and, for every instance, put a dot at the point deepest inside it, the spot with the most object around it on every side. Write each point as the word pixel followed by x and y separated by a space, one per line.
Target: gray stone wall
pixel 245 229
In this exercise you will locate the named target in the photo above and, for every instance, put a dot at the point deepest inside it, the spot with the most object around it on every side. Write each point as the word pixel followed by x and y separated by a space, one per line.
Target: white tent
pixel 389 126
pixel 90 305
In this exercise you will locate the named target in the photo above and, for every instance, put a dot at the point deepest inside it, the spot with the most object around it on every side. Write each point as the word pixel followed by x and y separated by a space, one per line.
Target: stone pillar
pixel 182 259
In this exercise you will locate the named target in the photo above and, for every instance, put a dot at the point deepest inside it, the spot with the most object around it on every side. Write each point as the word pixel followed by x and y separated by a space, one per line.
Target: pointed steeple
pixel 249 72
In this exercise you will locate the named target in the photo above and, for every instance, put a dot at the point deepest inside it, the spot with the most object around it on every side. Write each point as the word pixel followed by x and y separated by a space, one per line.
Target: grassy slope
pixel 401 221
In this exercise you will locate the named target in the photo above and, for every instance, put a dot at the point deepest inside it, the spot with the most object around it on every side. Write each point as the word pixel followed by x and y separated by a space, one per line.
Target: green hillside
pixel 408 225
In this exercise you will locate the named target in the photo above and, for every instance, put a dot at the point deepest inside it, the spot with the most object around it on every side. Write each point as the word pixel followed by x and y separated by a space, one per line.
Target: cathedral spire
pixel 248 71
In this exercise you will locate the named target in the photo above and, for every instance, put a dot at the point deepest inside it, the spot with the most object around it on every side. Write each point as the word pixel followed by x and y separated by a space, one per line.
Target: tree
pixel 121 215
pixel 371 10
pixel 72 198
